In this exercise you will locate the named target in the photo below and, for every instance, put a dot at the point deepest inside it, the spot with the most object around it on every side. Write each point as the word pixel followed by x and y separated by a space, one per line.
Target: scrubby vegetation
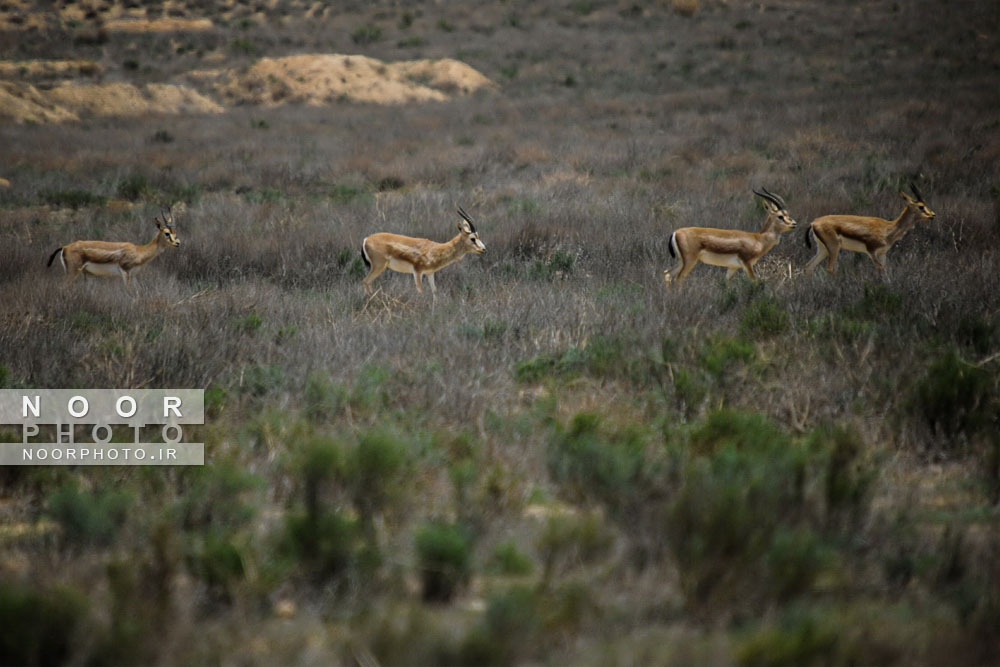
pixel 559 460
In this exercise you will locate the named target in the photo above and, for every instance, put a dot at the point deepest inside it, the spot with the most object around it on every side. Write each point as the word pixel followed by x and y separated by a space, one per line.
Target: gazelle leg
pixel 430 281
pixel 879 259
pixel 72 273
pixel 416 278
pixel 685 269
pixel 373 273
pixel 748 267
pixel 670 275
pixel 833 251
pixel 821 254
pixel 730 272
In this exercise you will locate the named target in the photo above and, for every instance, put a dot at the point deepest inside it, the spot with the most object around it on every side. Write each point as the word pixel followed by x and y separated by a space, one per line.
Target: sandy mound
pixel 23 102
pixel 307 79
pixel 48 69
pixel 158 25
pixel 124 99
pixel 322 79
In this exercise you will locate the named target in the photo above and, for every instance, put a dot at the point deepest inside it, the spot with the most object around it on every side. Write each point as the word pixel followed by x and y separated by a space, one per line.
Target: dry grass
pixel 615 124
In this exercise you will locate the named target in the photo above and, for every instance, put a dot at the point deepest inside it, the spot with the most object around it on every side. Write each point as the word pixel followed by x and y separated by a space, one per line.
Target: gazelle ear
pixel 906 196
pixel 464 227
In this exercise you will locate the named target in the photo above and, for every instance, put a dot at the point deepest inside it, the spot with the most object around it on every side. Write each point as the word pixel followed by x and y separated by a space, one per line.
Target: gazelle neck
pixel 154 247
pixel 903 223
pixel 451 251
pixel 770 235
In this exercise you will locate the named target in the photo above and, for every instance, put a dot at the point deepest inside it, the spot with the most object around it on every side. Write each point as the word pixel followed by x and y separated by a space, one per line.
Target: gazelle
pixel 858 233
pixel 112 258
pixel 731 248
pixel 421 257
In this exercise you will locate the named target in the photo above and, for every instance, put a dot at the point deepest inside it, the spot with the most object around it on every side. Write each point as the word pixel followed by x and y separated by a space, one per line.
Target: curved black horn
pixel 913 187
pixel 768 196
pixel 779 200
pixel 465 216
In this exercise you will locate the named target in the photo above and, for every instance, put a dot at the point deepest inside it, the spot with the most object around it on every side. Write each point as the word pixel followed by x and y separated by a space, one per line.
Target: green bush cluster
pixel 444 556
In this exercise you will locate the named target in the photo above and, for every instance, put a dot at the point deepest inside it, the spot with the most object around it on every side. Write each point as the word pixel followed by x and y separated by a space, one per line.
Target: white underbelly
pixel 715 259
pixel 399 265
pixel 852 245
pixel 102 269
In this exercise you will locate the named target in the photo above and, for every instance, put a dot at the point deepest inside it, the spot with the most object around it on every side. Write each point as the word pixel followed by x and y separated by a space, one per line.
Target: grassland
pixel 557 461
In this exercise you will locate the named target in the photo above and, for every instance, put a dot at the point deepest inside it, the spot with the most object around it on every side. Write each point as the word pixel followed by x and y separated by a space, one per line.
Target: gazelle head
pixel 168 233
pixel 469 236
pixel 777 210
pixel 917 202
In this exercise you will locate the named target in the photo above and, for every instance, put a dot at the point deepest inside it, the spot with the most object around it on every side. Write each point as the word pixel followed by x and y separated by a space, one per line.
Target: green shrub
pixel 325 542
pixel 322 397
pixel 88 519
pixel 215 400
pixel 792 561
pixel 267 195
pixel 740 431
pixel 840 326
pixel 243 46
pixel 366 34
pixel 342 193
pixel 324 539
pixel 849 475
pixel 740 525
pixel 591 464
pixel 73 198
pixel 719 354
pixel 559 264
pixel 954 397
pixel 879 302
pixel 602 357
pixel 318 461
pixel 135 186
pixel 444 556
pixel 370 390
pixel 414 42
pixel 250 324
pixel 690 391
pixel 512 621
pixel 218 560
pixel 374 471
pixel 217 497
pixel 163 137
pixel 261 380
pixel 763 318
pixel 801 639
pixel 573 541
pixel 978 333
pixel 509 559
pixel 39 627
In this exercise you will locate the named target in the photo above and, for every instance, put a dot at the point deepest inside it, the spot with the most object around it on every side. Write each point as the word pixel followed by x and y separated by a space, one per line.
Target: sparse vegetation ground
pixel 557 461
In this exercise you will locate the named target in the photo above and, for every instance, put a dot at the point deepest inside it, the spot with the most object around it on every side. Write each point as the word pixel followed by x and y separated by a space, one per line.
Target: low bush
pixel 88 518
pixel 444 557
pixel 510 560
pixel 955 399
pixel 40 627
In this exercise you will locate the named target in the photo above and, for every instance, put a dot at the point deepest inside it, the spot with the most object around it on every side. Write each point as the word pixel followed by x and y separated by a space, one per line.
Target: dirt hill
pixel 306 79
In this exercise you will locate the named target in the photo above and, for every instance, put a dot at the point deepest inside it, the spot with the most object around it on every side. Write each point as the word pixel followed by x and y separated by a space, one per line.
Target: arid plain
pixel 556 460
